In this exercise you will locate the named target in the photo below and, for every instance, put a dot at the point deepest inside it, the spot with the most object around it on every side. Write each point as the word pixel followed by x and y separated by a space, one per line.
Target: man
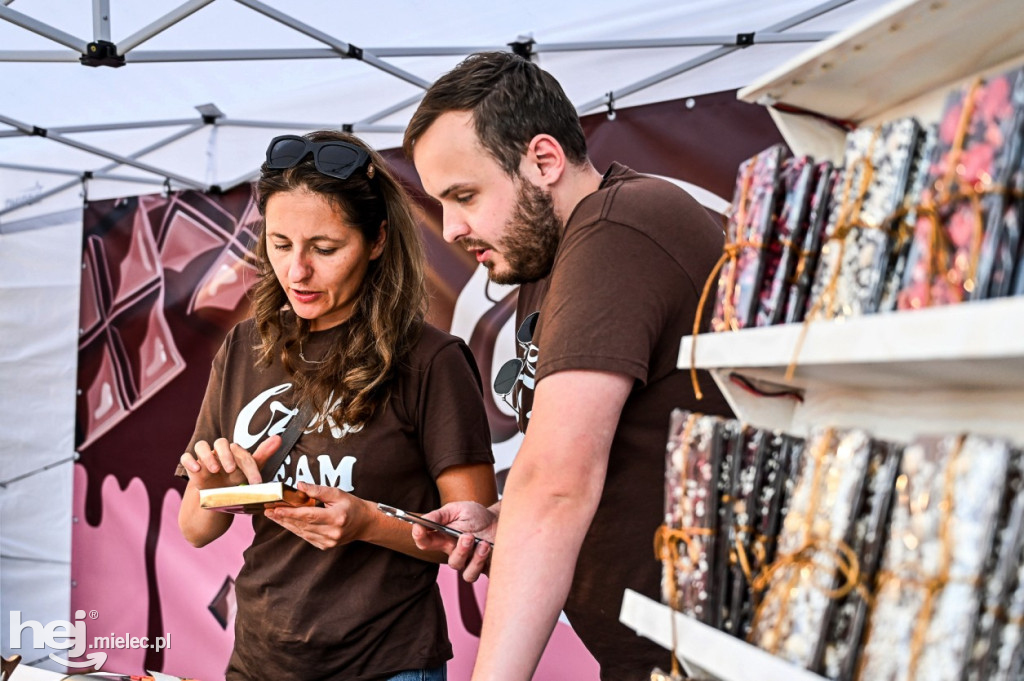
pixel 614 265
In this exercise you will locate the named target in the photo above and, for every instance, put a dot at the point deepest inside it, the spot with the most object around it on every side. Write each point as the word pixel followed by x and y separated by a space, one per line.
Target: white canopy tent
pixel 187 95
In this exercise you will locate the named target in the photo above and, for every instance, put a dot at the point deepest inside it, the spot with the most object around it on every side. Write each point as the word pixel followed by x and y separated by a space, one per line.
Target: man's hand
pixel 469 517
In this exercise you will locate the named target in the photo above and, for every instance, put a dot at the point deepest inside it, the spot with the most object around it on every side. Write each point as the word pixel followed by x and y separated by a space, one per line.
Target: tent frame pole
pixel 609 99
pixel 101 20
pixel 160 25
pixel 67 185
pixel 45 30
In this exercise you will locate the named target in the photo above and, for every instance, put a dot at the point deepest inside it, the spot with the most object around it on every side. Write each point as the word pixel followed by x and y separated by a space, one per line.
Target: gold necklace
pixel 308 361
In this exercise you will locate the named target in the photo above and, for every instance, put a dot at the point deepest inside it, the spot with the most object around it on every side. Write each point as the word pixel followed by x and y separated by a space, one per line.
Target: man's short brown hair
pixel 512 100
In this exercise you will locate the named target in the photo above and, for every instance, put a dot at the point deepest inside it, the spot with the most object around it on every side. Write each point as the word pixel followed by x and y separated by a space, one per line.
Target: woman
pixel 338 591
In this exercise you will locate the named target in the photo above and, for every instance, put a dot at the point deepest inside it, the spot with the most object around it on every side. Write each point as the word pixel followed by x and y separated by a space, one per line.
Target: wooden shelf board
pixel 977 345
pixel 894 55
pixel 703 649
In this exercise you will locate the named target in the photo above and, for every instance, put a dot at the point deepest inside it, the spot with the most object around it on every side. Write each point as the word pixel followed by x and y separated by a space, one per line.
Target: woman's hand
pixel 226 464
pixel 222 465
pixel 342 519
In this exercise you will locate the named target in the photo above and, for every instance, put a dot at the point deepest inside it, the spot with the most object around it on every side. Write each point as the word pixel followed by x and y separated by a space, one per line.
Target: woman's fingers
pixel 246 463
pixel 207 457
pixel 224 454
pixel 189 463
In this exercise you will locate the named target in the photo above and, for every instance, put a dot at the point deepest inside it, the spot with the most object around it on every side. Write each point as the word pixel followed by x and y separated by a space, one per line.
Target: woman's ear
pixel 378 245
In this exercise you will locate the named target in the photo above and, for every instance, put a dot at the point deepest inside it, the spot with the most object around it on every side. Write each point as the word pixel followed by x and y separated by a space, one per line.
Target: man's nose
pixel 453 225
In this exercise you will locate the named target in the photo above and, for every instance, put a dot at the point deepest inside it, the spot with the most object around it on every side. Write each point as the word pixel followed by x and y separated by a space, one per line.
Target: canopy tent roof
pixel 202 85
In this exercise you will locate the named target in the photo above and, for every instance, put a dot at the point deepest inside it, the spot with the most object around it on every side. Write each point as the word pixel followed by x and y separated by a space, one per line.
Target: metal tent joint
pixel 744 39
pixel 38 132
pixel 523 47
pixel 355 52
pixel 102 53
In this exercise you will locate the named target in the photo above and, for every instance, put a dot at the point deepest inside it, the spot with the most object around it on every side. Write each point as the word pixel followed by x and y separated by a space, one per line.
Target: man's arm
pixel 552 492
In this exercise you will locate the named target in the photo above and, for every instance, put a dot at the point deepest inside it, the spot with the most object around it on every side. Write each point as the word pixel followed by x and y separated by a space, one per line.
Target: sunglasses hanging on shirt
pixel 333 158
pixel 512 370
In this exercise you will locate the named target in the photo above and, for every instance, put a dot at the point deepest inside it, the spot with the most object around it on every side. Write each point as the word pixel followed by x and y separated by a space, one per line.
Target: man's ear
pixel 544 161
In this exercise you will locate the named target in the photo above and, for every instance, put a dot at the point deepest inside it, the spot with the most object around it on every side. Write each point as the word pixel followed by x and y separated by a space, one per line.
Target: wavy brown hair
pixel 355 375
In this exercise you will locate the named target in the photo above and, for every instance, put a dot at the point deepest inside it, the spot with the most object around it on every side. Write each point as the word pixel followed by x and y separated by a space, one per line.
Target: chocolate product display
pixel 877 167
pixel 812 550
pixel 826 178
pixel 965 190
pixel 948 498
pixel 687 540
pixel 748 233
pixel 783 251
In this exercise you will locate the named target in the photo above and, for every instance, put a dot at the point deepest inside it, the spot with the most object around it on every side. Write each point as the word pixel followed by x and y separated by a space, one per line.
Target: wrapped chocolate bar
pixel 812 553
pixel 748 232
pixel 965 187
pixel 725 436
pixel 766 499
pixel 739 522
pixel 1000 248
pixel 826 180
pixel 779 473
pixel 783 251
pixel 948 497
pixel 1001 569
pixel 903 227
pixel 877 166
pixel 687 539
pixel 1007 662
pixel 838 650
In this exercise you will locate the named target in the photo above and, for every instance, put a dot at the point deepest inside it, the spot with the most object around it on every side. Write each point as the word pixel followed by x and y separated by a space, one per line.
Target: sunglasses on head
pixel 333 158
pixel 510 371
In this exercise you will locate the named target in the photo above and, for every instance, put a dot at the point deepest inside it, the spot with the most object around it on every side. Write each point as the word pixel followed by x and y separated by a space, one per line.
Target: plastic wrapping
pixel 964 192
pixel 749 232
pixel 877 168
pixel 691 512
pixel 783 252
pixel 790 618
pixel 826 180
pixel 943 526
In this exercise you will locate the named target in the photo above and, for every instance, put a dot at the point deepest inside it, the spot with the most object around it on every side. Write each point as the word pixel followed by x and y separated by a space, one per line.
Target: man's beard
pixel 531 237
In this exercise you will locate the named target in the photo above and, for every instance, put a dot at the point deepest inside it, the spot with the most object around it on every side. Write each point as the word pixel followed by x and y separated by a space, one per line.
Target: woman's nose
pixel 299 267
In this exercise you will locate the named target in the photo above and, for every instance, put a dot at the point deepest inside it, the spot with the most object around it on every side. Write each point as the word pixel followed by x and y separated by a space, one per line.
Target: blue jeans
pixel 435 674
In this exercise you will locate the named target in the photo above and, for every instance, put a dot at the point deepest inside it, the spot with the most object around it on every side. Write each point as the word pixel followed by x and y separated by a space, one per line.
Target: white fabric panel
pixel 39 292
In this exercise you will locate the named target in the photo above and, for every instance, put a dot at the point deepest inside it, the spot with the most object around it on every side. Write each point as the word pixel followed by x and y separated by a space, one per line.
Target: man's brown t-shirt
pixel 621 294
pixel 357 611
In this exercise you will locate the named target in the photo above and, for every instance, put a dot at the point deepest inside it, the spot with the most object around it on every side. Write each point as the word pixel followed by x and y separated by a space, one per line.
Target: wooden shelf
pixel 900 373
pixel 705 653
pixel 900 61
pixel 905 50
pixel 978 345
